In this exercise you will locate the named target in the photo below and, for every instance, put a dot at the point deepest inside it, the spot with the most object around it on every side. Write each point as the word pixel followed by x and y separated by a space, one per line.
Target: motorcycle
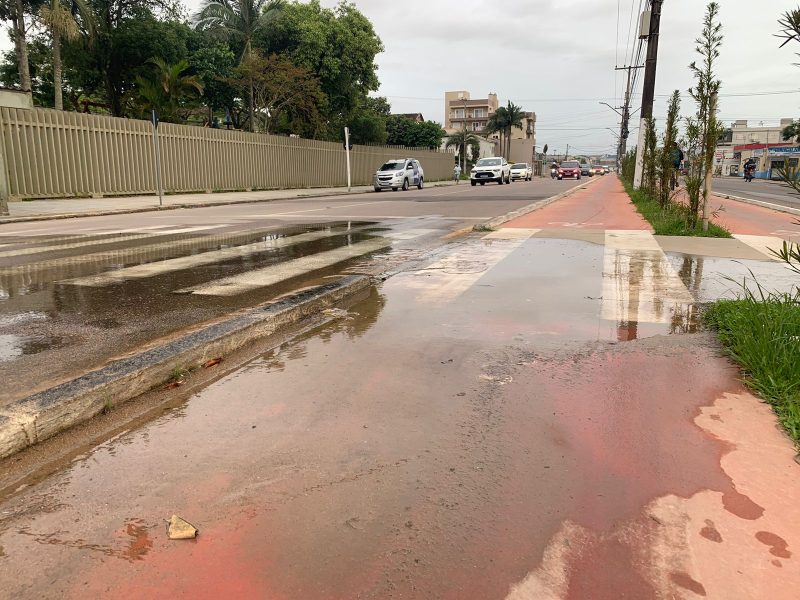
pixel 749 173
pixel 553 173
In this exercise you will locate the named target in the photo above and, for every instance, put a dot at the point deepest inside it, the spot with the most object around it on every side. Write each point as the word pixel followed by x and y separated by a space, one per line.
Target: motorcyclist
pixel 554 170
pixel 749 169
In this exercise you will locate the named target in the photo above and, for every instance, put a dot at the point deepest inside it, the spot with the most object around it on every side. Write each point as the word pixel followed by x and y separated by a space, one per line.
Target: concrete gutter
pixel 510 216
pixel 770 205
pixel 5 219
pixel 40 416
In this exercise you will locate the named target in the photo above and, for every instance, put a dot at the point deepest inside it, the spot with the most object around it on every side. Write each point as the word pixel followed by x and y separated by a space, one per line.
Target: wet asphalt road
pixel 771 192
pixel 55 323
pixel 521 416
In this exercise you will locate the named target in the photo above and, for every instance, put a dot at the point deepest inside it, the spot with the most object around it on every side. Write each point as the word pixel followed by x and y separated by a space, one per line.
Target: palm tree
pixel 462 140
pixel 497 124
pixel 167 89
pixel 240 20
pixel 514 115
pixel 61 18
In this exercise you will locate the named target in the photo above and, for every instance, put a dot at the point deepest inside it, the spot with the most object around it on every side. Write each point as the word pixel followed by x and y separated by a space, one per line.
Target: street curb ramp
pixel 510 216
pixel 31 420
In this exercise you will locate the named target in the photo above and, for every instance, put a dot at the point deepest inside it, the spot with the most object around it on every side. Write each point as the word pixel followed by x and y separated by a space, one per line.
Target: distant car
pixel 399 173
pixel 492 168
pixel 598 170
pixel 606 169
pixel 586 170
pixel 569 169
pixel 521 171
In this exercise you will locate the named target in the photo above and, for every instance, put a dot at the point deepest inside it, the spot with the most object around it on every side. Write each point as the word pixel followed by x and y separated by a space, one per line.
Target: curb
pixel 5 219
pixel 33 419
pixel 761 203
pixel 510 216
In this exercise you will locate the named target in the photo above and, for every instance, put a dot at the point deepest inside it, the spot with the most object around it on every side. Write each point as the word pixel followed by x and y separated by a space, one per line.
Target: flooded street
pixel 530 413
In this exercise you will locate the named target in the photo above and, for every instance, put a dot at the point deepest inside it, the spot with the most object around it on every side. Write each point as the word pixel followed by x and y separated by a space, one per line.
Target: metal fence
pixel 55 154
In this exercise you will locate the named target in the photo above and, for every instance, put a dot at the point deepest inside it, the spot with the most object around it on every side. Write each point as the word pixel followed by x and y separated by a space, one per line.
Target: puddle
pixel 13 346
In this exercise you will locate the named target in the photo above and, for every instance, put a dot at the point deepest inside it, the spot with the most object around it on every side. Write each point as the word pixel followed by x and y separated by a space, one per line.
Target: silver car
pixel 399 173
pixel 521 171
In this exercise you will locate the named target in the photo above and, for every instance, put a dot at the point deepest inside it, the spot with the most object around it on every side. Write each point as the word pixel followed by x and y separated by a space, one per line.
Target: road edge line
pixel 40 416
pixel 761 203
pixel 510 216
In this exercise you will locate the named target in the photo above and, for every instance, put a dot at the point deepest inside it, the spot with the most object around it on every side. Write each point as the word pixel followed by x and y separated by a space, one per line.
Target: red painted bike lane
pixel 748 219
pixel 602 205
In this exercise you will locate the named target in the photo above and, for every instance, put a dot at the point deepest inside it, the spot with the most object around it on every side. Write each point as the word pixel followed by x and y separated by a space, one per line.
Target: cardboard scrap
pixel 180 529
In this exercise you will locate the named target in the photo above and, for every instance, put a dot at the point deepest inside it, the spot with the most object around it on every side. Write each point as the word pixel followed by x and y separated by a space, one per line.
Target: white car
pixel 521 171
pixel 493 168
pixel 399 173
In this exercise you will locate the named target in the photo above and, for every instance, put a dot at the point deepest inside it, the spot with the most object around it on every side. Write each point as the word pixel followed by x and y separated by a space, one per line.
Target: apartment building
pixel 460 110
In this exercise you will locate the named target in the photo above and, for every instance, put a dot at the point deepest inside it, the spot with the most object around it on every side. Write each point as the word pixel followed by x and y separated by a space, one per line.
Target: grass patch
pixel 762 332
pixel 674 219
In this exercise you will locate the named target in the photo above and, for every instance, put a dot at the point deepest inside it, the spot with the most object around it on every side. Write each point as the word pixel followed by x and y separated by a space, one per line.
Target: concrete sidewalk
pixel 35 210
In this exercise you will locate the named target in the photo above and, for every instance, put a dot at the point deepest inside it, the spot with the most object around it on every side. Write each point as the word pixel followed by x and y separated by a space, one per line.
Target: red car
pixel 569 168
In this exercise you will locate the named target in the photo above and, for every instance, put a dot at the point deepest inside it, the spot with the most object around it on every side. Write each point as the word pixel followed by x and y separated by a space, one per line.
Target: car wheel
pixel 473 183
pixel 578 178
pixel 405 185
pixel 560 178
pixel 394 189
pixel 500 181
pixel 483 183
pixel 377 189
pixel 421 183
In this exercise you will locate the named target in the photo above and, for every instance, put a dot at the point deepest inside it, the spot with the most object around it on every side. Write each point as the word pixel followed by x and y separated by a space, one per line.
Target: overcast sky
pixel 557 58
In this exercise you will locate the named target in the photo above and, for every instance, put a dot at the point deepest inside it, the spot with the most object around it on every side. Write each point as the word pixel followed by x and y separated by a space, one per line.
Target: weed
pixel 177 374
pixel 674 219
pixel 761 330
pixel 108 404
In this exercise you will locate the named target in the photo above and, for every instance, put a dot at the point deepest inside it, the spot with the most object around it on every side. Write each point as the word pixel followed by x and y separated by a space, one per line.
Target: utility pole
pixel 624 130
pixel 649 90
pixel 566 156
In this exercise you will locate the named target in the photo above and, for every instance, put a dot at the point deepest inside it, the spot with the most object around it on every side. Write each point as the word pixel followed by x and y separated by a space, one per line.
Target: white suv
pixel 399 173
pixel 492 168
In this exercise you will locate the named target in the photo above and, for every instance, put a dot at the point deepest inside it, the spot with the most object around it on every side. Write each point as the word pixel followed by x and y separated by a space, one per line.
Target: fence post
pixel 5 191
pixel 157 158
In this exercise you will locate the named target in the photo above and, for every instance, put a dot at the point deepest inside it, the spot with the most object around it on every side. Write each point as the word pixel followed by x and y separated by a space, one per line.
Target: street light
pixel 612 108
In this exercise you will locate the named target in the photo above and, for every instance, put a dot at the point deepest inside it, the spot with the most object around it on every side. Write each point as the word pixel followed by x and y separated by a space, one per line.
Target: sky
pixel 557 58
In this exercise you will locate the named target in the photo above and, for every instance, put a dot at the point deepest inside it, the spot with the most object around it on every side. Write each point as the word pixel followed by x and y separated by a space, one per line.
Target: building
pixel 461 110
pixel 742 133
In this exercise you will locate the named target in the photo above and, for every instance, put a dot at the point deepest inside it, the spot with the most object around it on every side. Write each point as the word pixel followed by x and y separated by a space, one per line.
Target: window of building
pixel 480 113
pixel 476 126
pixel 459 113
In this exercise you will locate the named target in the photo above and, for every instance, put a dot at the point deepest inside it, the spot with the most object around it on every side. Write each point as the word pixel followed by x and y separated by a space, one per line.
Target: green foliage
pixel 462 139
pixel 168 89
pixel 669 148
pixel 761 331
pixel 628 167
pixel 674 219
pixel 651 158
pixel 405 132
pixel 213 63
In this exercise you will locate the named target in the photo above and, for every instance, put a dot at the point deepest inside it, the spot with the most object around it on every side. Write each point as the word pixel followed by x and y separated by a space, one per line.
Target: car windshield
pixel 394 165
pixel 488 162
pixel 569 165
pixel 520 166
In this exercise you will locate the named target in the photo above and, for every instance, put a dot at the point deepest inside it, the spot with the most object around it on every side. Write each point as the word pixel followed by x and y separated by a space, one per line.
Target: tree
pixel 462 140
pixel 63 19
pixel 544 151
pixel 497 124
pixel 650 157
pixel 168 89
pixel 398 129
pixel 214 64
pixel 514 116
pixel 703 130
pixel 426 135
pixel 15 11
pixel 285 96
pixel 239 21
pixel 338 45
pixel 669 149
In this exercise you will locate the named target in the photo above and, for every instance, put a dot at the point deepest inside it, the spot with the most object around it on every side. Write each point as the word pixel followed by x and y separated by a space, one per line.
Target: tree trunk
pixel 58 98
pixel 22 47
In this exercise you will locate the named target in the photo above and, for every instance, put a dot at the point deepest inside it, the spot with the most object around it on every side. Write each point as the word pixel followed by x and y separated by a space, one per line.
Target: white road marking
pixel 76 244
pixel 448 278
pixel 639 283
pixel 409 234
pixel 298 212
pixel 260 278
pixel 188 262
pixel 762 243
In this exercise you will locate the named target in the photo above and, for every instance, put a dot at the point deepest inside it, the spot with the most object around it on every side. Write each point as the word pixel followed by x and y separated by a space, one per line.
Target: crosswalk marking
pixel 448 278
pixel 188 262
pixel 261 278
pixel 762 243
pixel 409 234
pixel 639 283
pixel 76 244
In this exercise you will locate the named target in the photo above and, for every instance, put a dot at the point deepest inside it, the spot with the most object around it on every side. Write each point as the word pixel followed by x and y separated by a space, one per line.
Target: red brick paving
pixel 602 205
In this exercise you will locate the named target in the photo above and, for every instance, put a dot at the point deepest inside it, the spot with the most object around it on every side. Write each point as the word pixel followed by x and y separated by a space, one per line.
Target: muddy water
pixel 443 440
